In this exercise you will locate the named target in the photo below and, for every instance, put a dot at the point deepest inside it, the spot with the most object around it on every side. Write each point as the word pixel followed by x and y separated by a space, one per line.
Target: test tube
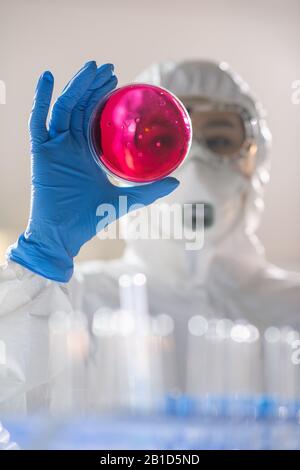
pixel 103 391
pixel 216 353
pixel 69 348
pixel 290 369
pixel 133 298
pixel 197 356
pixel 281 374
pixel 244 373
pixel 126 293
pixel 162 354
pixel 272 361
pixel 138 348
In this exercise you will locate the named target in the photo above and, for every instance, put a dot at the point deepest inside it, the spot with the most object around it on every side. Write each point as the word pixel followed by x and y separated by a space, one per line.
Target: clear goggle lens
pixel 225 131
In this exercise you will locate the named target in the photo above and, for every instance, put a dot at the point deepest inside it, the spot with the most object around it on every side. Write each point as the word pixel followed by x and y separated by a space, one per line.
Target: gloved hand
pixel 67 184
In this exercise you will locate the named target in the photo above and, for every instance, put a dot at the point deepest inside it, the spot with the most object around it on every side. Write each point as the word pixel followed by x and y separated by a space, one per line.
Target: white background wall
pixel 259 38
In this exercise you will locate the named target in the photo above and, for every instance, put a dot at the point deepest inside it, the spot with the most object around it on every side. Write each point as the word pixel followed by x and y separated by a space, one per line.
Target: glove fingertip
pixel 151 192
pixel 172 182
pixel 90 63
pixel 106 66
pixel 166 185
pixel 47 75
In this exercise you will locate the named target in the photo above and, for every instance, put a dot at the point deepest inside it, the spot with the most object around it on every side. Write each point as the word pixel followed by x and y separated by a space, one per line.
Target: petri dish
pixel 139 133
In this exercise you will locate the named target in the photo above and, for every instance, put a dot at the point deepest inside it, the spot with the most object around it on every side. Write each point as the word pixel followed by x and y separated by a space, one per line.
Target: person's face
pixel 214 174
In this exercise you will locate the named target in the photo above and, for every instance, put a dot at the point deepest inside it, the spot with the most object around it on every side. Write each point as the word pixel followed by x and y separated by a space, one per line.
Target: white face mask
pixel 217 185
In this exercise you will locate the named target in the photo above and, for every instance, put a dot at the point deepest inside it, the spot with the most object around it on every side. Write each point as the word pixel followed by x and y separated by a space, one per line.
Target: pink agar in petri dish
pixel 140 133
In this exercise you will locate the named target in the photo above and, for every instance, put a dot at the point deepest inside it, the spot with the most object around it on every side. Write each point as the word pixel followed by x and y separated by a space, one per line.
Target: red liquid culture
pixel 140 133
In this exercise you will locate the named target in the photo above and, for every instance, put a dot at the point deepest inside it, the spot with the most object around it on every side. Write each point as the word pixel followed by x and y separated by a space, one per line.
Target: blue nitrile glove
pixel 67 184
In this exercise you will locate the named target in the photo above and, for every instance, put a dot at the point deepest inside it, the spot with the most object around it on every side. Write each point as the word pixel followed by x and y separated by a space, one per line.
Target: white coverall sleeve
pixel 26 302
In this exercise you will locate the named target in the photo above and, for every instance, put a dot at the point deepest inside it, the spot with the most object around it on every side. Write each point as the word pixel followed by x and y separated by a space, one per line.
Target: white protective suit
pixel 229 277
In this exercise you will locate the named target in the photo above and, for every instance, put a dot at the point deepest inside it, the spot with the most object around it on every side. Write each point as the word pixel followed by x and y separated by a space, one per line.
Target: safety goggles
pixel 227 132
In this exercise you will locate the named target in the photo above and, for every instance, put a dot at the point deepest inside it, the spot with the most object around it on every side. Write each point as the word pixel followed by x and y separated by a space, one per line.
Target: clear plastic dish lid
pixel 139 133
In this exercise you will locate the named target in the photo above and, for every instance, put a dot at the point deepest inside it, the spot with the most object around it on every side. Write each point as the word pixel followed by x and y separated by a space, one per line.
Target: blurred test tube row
pixel 127 360
pixel 234 359
pixel 126 363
